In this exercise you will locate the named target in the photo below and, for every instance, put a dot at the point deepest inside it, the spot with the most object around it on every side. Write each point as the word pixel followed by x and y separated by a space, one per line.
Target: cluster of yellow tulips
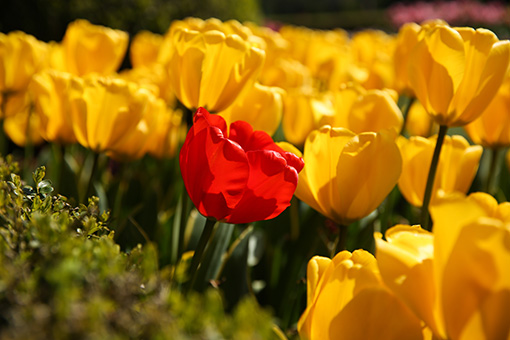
pixel 336 99
pixel 68 92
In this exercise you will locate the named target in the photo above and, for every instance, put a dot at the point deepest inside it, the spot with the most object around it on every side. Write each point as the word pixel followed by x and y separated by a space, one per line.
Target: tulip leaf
pixel 234 278
pixel 214 255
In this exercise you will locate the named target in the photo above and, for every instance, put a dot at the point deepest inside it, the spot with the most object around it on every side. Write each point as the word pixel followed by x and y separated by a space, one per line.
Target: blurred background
pixel 47 20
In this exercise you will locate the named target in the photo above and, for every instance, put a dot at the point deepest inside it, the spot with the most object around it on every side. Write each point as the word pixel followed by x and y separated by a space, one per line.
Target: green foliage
pixel 63 276
pixel 47 20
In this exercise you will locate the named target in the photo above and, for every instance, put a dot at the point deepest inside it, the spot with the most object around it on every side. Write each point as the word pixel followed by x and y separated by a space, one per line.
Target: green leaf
pixel 44 187
pixel 234 281
pixel 214 255
pixel 39 174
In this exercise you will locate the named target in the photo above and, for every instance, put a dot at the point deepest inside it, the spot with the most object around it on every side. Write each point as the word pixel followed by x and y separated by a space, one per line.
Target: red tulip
pixel 238 178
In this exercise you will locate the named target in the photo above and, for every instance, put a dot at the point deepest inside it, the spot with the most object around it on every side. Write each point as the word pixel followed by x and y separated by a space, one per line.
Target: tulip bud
pixel 341 291
pixel 144 48
pixel 361 110
pixel 457 167
pixel 88 48
pixel 261 106
pixel 21 56
pixel 106 111
pixel 209 68
pixel 456 73
pixel 492 128
pixel 304 110
pixel 50 90
pixel 347 175
pixel 236 175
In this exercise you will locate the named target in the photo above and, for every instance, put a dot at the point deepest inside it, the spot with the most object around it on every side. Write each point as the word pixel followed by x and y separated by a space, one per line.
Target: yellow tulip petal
pixel 345 275
pixel 488 65
pixel 316 267
pixel 261 106
pixel 375 111
pixel 484 245
pixel 374 314
pixel 406 265
pixel 317 181
pixel 368 169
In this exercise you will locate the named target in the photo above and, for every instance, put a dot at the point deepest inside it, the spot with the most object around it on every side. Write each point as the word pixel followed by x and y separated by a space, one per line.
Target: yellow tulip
pixel 361 110
pixel 288 74
pixel 274 45
pixel 261 106
pixel 168 133
pixel 21 56
pixel 315 49
pixel 457 167
pixel 144 48
pixel 492 128
pixel 406 263
pixel 154 78
pixel 472 256
pixel 456 73
pixel 21 125
pixel 304 110
pixel 88 48
pixel 373 52
pixel 455 280
pixel 209 68
pixel 50 90
pixel 135 144
pixel 347 300
pixel 348 175
pixel 106 111
pixel 407 38
pixel 419 122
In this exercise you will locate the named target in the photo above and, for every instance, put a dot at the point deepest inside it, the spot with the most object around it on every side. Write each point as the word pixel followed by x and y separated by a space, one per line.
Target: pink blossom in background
pixel 453 12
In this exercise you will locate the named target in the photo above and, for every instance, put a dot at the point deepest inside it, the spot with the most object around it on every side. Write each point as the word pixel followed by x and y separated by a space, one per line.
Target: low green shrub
pixel 63 276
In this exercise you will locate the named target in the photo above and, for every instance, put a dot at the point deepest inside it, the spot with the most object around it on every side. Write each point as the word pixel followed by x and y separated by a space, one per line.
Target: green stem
pixel 183 220
pixel 121 191
pixel 28 149
pixel 88 189
pixel 199 251
pixel 492 175
pixel 405 112
pixel 341 240
pixel 58 165
pixel 3 137
pixel 431 177
pixel 294 218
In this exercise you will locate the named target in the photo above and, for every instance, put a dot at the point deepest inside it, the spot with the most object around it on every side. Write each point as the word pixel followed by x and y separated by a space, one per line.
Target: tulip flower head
pixel 88 48
pixel 492 128
pixel 348 175
pixel 348 300
pixel 144 48
pixel 107 114
pixel 456 72
pixel 209 68
pixel 457 166
pixel 261 106
pixel 50 90
pixel 361 110
pixel 21 56
pixel 455 280
pixel 236 175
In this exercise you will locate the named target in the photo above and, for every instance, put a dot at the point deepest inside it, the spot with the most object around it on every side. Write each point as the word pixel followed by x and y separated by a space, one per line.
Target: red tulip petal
pixel 203 119
pixel 215 171
pixel 242 133
pixel 270 187
pixel 294 161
